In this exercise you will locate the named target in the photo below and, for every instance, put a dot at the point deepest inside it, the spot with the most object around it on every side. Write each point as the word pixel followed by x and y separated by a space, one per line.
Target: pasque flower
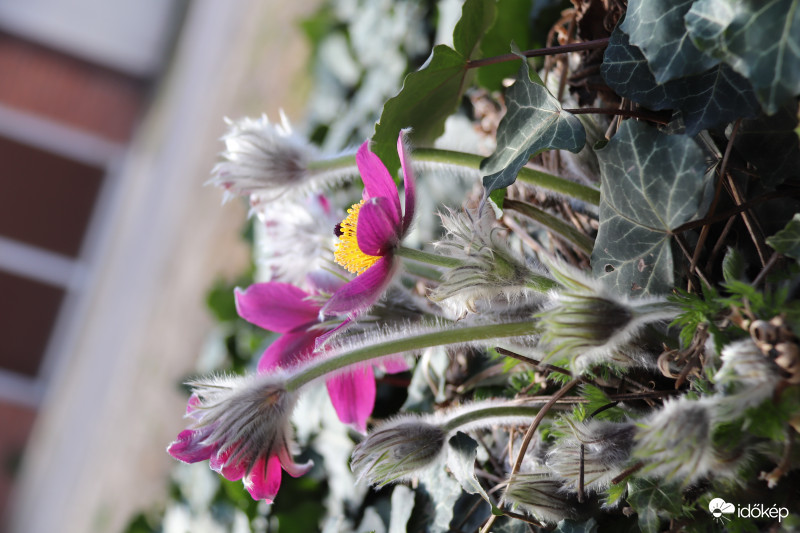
pixel 371 233
pixel 286 309
pixel 241 426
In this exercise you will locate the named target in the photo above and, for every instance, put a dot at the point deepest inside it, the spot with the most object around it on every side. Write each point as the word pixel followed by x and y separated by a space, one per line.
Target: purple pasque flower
pixel 295 313
pixel 241 426
pixel 371 232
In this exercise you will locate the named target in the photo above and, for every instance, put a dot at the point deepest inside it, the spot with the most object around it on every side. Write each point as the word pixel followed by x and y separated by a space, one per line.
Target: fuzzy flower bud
pixel 747 378
pixel 675 441
pixel 241 426
pixel 490 270
pixel 397 450
pixel 269 161
pixel 590 324
pixel 539 494
pixel 606 450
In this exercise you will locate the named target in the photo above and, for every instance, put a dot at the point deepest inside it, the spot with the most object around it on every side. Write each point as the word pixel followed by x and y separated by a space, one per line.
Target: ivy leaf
pixel 658 29
pixel 710 99
pixel 649 498
pixel 461 462
pixel 402 506
pixel 433 93
pixel 787 240
pixel 759 39
pixel 770 144
pixel 534 122
pixel 733 265
pixel 651 183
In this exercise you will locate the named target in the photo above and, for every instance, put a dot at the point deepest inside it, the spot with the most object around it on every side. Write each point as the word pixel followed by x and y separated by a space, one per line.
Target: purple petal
pixel 362 291
pixel 394 365
pixel 376 231
pixel 353 396
pixel 188 447
pixel 274 306
pixel 323 281
pixel 322 339
pixel 233 471
pixel 287 350
pixel 377 180
pixel 265 479
pixel 292 468
pixel 408 182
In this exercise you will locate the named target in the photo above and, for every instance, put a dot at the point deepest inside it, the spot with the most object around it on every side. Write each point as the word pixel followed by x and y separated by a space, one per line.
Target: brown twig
pixel 651 116
pixel 549 51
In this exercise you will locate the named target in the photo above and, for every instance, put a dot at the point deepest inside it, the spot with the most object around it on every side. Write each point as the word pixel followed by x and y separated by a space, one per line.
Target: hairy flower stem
pixel 553 50
pixel 493 413
pixel 463 159
pixel 325 365
pixel 427 257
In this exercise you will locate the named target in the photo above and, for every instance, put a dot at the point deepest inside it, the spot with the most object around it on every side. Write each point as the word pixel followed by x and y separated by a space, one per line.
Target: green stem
pixel 584 243
pixel 325 365
pixel 427 257
pixel 553 50
pixel 490 412
pixel 462 159
pixel 526 175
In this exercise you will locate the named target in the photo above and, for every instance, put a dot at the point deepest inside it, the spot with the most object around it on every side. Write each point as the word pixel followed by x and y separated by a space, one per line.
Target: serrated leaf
pixel 657 28
pixel 433 93
pixel 512 24
pixel 651 498
pixel 461 462
pixel 710 99
pixel 770 144
pixel 759 39
pixel 787 240
pixel 533 122
pixel 651 183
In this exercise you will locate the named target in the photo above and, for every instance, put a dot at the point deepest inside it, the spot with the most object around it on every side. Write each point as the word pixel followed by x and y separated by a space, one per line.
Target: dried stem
pixel 552 50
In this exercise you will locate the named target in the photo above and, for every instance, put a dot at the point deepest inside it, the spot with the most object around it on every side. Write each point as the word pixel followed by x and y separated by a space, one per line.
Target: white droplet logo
pixel 719 507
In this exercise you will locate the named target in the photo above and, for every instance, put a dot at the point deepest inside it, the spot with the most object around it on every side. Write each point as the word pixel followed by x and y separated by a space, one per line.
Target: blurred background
pixel 110 114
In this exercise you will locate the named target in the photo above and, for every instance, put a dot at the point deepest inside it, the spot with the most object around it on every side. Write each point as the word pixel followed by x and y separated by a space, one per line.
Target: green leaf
pixel 402 506
pixel 770 144
pixel 651 183
pixel 657 28
pixel 650 499
pixel 759 39
pixel 512 24
pixel 433 93
pixel 710 99
pixel 534 122
pixel 461 462
pixel 787 240
pixel 443 492
pixel 733 265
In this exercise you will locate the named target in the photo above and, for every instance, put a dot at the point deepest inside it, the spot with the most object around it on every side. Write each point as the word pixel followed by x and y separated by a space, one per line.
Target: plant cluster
pixel 600 334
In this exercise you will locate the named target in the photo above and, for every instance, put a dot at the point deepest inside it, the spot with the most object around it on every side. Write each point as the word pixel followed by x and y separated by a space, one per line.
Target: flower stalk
pixel 457 335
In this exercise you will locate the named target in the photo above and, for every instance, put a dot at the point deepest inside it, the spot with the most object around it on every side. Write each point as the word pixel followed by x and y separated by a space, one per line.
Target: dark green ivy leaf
pixel 787 240
pixel 433 93
pixel 573 526
pixel 534 122
pixel 651 183
pixel 760 39
pixel 710 99
pixel 657 28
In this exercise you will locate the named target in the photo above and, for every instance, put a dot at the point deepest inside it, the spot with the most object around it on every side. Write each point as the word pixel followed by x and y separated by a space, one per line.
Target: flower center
pixel 347 252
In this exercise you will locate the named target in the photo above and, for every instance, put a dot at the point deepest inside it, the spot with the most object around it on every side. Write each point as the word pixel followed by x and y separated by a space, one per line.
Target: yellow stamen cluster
pixel 347 252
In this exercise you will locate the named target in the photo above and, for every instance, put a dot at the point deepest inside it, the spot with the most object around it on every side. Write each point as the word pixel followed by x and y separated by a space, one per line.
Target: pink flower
pixel 286 309
pixel 371 232
pixel 241 426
